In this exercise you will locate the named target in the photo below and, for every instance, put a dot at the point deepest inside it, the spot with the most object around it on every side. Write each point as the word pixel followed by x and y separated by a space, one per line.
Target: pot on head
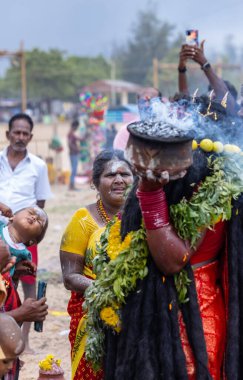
pixel 157 154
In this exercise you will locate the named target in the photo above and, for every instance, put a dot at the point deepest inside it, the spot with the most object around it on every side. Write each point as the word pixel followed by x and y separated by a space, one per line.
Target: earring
pixel 98 196
pixel 92 186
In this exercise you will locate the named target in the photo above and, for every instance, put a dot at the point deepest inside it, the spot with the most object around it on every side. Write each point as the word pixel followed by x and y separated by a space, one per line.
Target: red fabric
pixel 212 244
pixel 30 279
pixel 13 300
pixel 212 308
pixel 211 288
pixel 84 370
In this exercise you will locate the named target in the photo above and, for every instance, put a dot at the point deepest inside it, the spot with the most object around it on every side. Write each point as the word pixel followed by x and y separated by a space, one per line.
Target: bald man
pixel 11 343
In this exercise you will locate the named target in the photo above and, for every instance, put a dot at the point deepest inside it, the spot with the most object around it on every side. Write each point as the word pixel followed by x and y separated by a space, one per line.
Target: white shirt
pixel 26 184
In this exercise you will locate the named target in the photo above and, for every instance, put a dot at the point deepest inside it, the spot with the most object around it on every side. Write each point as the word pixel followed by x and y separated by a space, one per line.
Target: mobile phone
pixel 41 292
pixel 192 37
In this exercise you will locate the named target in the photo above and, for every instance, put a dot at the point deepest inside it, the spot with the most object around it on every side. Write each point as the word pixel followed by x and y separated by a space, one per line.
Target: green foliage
pixel 181 283
pixel 53 75
pixel 212 200
pixel 115 280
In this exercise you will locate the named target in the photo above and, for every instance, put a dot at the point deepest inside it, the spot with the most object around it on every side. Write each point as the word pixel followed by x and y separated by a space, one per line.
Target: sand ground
pixel 54 338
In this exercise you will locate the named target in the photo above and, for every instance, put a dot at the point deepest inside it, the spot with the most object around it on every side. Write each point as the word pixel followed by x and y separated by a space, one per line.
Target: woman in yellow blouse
pixel 111 177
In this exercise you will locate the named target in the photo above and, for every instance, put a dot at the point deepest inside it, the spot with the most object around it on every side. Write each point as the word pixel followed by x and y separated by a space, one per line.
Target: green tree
pixel 151 38
pixel 85 70
pixel 53 75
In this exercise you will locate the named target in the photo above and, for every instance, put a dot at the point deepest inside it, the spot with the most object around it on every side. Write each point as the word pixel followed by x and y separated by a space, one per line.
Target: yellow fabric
pixel 88 272
pixel 80 237
pixel 77 234
pixel 79 354
pixel 3 291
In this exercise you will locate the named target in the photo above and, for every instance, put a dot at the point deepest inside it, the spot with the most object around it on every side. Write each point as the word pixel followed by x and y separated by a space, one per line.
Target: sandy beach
pixel 54 338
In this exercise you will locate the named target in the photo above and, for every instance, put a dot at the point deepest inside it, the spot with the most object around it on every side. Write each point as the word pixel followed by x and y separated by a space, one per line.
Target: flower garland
pixel 211 202
pixel 119 264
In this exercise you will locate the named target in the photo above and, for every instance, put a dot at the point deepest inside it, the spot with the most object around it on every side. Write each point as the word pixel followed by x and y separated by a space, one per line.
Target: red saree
pixel 211 302
pixel 84 370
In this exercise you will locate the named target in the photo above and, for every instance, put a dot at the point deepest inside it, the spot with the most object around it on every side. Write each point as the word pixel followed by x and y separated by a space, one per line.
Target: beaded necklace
pixel 101 211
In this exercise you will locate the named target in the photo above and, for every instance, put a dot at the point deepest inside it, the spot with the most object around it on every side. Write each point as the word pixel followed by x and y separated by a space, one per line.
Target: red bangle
pixel 154 208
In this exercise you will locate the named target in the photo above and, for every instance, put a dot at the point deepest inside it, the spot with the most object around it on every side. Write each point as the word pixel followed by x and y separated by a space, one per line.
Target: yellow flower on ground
pixel 45 365
pixel 110 317
pixel 49 357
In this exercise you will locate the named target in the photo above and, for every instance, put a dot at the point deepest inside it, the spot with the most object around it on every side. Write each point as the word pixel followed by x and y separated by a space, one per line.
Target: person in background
pixel 111 177
pixel 11 343
pixel 74 151
pixel 23 183
pixel 110 135
pixel 218 85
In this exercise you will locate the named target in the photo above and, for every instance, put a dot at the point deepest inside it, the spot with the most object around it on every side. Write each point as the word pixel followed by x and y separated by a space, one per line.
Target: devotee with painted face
pixel 111 178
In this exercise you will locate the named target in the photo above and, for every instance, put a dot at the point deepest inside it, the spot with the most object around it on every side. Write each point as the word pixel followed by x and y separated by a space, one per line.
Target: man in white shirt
pixel 23 183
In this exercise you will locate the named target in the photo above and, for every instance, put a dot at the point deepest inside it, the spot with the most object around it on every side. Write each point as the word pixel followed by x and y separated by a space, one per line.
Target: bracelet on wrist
pixel 206 66
pixel 182 69
pixel 154 208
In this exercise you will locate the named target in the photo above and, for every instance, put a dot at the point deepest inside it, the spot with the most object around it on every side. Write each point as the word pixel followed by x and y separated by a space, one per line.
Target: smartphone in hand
pixel 192 37
pixel 41 292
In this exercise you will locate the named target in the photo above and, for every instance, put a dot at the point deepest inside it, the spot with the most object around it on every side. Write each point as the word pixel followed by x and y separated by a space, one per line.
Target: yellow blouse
pixel 81 236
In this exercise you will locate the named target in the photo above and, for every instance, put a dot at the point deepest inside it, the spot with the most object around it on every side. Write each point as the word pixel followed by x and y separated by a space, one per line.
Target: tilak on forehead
pixel 115 165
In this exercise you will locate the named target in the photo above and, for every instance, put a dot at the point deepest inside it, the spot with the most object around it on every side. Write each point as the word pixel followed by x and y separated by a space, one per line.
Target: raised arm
pixel 220 89
pixel 182 77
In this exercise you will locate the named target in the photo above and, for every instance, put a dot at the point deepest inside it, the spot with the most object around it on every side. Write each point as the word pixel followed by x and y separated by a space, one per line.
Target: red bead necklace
pixel 101 211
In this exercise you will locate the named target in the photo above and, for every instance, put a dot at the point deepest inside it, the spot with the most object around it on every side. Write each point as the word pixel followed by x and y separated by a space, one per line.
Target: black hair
pixel 149 344
pixel 20 116
pixel 101 160
pixel 74 124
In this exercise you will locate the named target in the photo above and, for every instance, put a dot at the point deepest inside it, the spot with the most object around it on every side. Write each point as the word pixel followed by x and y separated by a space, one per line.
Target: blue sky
pixel 90 27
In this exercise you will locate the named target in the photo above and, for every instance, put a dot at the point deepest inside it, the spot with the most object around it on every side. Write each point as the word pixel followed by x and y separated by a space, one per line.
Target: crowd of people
pixel 176 313
pixel 154 266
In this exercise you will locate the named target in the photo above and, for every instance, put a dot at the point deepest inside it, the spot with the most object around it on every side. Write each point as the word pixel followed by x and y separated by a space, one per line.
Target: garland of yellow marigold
pixel 119 264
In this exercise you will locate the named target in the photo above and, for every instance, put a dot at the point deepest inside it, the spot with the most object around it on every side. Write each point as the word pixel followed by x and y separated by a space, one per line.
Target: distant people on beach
pixel 74 147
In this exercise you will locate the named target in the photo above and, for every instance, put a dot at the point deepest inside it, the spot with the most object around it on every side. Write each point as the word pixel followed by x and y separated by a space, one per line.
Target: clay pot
pixel 158 154
pixel 50 377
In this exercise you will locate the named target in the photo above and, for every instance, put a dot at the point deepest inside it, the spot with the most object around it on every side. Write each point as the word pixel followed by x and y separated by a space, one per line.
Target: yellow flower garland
pixel 115 245
pixel 111 318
